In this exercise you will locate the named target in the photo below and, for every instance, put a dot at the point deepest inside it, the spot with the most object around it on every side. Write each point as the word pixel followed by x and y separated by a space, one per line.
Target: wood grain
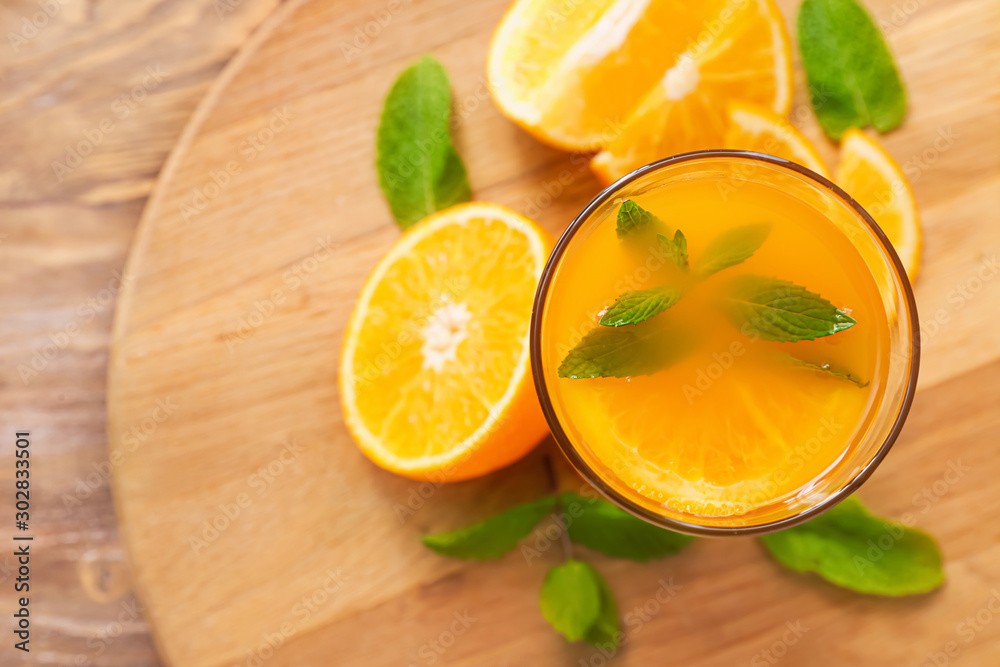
pixel 233 313
pixel 62 244
pixel 186 337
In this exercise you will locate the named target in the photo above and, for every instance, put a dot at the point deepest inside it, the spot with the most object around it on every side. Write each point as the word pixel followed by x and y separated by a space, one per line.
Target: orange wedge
pixel 435 380
pixel 642 79
pixel 756 128
pixel 876 181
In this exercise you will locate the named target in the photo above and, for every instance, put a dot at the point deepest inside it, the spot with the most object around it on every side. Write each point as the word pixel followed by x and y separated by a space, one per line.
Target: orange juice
pixel 712 410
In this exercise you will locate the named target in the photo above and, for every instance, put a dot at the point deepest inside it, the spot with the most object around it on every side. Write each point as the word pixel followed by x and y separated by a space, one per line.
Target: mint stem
pixel 558 511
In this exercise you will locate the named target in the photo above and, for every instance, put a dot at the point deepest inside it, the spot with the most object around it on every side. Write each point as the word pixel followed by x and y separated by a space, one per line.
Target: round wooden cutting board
pixel 258 534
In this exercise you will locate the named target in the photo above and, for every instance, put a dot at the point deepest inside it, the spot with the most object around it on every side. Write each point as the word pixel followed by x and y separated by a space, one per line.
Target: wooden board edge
pixel 137 250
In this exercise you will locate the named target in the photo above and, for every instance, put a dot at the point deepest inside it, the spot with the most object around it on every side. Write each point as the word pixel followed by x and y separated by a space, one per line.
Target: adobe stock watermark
pixel 923 501
pixel 258 482
pixel 550 190
pixel 747 171
pixel 899 15
pixel 59 340
pixel 966 632
pixel 32 24
pixel 706 377
pixel 224 8
pixel 920 163
pixel 635 619
pixel 779 647
pixel 433 649
pixel 297 617
pixel 121 108
pixel 249 149
pixel 553 532
pixel 412 332
pixel 914 167
pixel 418 496
pixel 365 34
pixel 764 489
pixel 129 441
pixel 98 643
pixel 636 279
pixel 292 279
pixel 957 298
pixel 931 495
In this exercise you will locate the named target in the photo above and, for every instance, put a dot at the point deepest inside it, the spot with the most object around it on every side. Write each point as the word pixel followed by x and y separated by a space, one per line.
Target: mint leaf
pixel 571 599
pixel 851 548
pixel 599 525
pixel 778 310
pixel 492 537
pixel 614 352
pixel 632 217
pixel 604 632
pixel 827 370
pixel 853 81
pixel 640 305
pixel 732 247
pixel 418 168
pixel 676 249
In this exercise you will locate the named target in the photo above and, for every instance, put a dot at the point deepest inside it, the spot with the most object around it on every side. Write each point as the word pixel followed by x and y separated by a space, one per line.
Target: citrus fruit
pixel 876 181
pixel 435 380
pixel 642 80
pixel 756 128
pixel 714 462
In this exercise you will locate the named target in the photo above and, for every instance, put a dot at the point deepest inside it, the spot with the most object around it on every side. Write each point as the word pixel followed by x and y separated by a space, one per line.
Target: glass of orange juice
pixel 724 343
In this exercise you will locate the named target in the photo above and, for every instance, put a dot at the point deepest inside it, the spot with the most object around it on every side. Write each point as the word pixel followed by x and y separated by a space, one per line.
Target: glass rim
pixel 605 489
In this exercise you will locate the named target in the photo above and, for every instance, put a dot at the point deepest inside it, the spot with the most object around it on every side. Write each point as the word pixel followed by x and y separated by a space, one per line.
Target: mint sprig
pixel 853 81
pixel 675 248
pixel 419 170
pixel 610 530
pixel 779 310
pixel 604 632
pixel 850 547
pixel 827 370
pixel 632 217
pixel 570 599
pixel 492 537
pixel 847 546
pixel 731 247
pixel 624 352
pixel 575 599
pixel 640 305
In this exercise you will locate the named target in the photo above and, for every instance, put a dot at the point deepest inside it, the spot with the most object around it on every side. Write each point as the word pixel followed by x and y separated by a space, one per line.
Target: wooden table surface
pixel 79 78
pixel 118 82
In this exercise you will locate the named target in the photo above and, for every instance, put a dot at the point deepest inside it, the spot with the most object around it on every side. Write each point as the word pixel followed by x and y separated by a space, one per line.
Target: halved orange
pixel 756 128
pixel 435 380
pixel 640 79
pixel 875 180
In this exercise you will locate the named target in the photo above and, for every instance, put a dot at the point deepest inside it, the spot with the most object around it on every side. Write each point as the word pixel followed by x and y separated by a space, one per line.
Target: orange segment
pixel 868 173
pixel 724 462
pixel 435 381
pixel 755 128
pixel 746 58
pixel 600 73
